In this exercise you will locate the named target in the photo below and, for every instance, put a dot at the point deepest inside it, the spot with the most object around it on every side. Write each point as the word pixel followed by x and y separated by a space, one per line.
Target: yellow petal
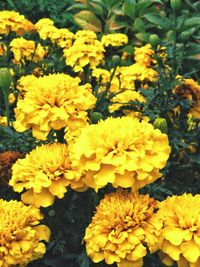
pixel 190 251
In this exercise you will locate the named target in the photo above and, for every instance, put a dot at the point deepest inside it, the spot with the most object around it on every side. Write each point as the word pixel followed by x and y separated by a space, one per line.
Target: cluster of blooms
pixel 52 102
pixel 122 151
pixel 180 237
pixel 86 50
pixel 190 89
pixel 45 173
pixel 26 50
pixel 12 21
pixel 123 226
pixel 126 223
pixel 21 235
pixel 61 37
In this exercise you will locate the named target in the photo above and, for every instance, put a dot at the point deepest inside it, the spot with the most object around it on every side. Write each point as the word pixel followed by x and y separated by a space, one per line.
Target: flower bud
pixel 161 124
pixel 5 78
pixel 154 40
pixel 175 5
pixel 116 60
pixel 184 36
pixel 95 117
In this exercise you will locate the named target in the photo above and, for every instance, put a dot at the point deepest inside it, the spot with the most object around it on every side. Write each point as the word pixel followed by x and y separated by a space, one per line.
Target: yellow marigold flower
pixel 85 36
pixel 101 75
pixel 180 236
pixel 86 50
pixel 12 21
pixel 11 98
pixel 52 102
pixel 123 98
pixel 122 151
pixel 43 23
pixel 143 55
pixel 3 121
pixel 123 226
pixel 21 235
pixel 114 39
pixel 45 174
pixel 62 37
pixel 26 50
pixel 190 89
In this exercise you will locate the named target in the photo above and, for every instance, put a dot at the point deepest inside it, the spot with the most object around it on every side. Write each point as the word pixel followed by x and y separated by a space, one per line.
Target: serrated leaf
pixel 88 21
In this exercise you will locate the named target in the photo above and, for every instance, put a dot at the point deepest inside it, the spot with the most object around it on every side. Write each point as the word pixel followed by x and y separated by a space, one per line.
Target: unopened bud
pixel 95 117
pixel 161 124
pixel 5 78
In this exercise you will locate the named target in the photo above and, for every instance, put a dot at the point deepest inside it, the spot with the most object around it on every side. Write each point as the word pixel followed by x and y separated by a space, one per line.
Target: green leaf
pixel 143 36
pixel 88 21
pixel 129 8
pixel 158 20
pixel 191 22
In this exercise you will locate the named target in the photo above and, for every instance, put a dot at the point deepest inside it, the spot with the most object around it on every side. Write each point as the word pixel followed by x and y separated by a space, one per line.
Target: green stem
pixel 60 135
pixel 7 112
pixel 174 40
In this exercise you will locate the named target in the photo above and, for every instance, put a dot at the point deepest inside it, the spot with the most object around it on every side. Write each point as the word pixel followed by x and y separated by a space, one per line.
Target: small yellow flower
pixel 190 89
pixel 180 236
pixel 114 39
pixel 123 99
pixel 86 50
pixel 21 235
pixel 3 121
pixel 143 55
pixel 26 50
pixel 45 173
pixel 123 226
pixel 12 21
pixel 122 151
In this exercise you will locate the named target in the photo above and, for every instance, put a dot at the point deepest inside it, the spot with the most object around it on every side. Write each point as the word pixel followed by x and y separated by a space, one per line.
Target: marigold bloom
pixel 143 55
pixel 21 235
pixel 123 99
pixel 26 50
pixel 52 102
pixel 123 225
pixel 180 237
pixel 114 39
pixel 13 21
pixel 45 173
pixel 86 50
pixel 190 89
pixel 122 151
